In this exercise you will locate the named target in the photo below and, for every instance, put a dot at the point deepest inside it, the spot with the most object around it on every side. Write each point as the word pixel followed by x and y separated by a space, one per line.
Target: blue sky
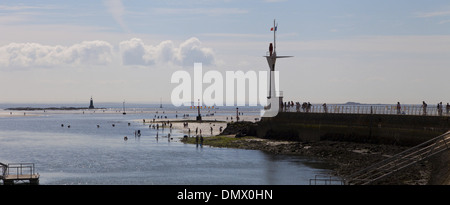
pixel 347 50
pixel 312 19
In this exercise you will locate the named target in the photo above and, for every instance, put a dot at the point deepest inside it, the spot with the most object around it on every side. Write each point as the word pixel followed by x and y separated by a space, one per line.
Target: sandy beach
pixel 216 123
pixel 7 113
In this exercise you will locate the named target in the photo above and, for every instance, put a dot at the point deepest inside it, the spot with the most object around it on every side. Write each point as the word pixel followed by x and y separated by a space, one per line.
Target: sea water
pixel 85 154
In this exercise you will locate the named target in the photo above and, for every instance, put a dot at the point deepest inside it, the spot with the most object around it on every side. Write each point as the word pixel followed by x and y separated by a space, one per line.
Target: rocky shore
pixel 347 157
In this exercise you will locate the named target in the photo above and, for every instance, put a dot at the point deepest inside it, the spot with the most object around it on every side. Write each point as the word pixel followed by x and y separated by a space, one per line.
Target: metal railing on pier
pixel 400 161
pixel 19 172
pixel 326 180
pixel 20 169
pixel 369 109
pixel 3 168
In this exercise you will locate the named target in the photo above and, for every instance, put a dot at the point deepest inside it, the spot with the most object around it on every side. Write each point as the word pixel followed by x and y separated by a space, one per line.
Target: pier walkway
pixel 400 161
pixel 432 110
pixel 18 172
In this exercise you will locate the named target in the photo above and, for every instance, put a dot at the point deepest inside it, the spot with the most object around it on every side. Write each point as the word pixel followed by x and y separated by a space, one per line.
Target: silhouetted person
pixel 447 108
pixel 424 106
pixel 196 140
pixel 270 49
pixel 201 140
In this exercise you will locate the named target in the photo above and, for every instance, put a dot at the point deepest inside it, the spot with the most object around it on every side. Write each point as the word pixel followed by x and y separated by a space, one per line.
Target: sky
pixel 114 50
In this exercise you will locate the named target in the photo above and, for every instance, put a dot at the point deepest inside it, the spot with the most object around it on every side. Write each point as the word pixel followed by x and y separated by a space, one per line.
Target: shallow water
pixel 85 154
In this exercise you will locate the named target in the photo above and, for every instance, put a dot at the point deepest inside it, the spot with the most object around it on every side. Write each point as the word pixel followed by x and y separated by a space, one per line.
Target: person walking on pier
pixel 325 109
pixel 399 108
pixel 424 106
pixel 439 106
pixel 447 108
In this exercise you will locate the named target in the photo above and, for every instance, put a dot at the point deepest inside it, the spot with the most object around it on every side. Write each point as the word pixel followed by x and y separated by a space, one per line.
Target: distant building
pixel 91 106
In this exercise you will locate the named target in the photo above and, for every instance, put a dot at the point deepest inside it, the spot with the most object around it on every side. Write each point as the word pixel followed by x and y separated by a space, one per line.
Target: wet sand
pixel 18 114
pixel 208 122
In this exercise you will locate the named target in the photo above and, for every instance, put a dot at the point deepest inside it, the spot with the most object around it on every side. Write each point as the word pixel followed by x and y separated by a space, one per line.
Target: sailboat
pixel 124 108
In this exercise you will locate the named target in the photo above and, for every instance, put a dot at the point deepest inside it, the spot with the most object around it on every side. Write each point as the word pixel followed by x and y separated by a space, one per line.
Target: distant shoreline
pixel 51 108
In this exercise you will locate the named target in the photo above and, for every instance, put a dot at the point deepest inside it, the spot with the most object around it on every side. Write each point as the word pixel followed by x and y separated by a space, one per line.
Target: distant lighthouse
pixel 91 105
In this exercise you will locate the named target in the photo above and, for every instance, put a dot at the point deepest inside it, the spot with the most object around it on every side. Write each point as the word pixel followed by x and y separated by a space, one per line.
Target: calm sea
pixel 87 154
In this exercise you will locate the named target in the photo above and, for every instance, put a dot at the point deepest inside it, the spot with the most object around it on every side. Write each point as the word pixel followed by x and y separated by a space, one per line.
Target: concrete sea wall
pixel 405 130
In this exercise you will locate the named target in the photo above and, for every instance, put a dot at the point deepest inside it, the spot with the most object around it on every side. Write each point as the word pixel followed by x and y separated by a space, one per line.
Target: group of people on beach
pixel 198 137
pixel 196 130
pixel 163 125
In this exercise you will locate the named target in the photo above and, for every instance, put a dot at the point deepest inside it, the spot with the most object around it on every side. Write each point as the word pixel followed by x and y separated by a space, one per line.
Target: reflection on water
pixel 86 154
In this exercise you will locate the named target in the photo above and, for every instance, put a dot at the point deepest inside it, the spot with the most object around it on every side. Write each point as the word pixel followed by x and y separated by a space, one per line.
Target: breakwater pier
pixel 367 148
pixel 366 124
pixel 424 131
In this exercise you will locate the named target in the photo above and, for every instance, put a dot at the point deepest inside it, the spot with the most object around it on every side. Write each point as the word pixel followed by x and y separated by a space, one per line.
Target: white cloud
pixel 89 53
pixel 191 51
pixel 444 22
pixel 432 14
pixel 274 1
pixel 116 8
pixel 22 7
pixel 136 52
pixel 437 44
pixel 25 55
pixel 14 14
pixel 133 52
pixel 200 11
pixel 235 35
pixel 13 19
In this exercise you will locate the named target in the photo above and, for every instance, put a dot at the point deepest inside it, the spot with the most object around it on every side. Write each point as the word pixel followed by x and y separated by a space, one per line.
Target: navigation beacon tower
pixel 274 99
pixel 91 105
